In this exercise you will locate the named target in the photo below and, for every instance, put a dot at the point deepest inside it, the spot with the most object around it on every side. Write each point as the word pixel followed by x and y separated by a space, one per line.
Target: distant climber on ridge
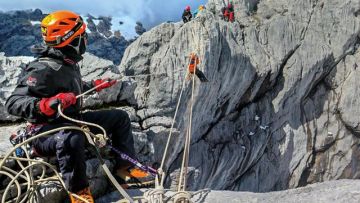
pixel 53 79
pixel 186 16
pixel 192 68
pixel 201 8
pixel 228 12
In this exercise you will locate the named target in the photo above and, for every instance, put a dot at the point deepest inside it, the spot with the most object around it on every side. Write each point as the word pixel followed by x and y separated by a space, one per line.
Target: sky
pixel 149 12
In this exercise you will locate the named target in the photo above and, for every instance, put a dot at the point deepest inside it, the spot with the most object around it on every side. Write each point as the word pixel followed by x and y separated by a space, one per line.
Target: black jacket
pixel 231 8
pixel 186 16
pixel 48 75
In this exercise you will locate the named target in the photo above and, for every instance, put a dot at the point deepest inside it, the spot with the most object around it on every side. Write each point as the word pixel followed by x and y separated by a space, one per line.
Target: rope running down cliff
pixel 157 195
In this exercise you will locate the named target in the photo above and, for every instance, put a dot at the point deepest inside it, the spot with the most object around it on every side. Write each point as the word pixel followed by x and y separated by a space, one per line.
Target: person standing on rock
pixel 228 12
pixel 199 10
pixel 54 78
pixel 186 16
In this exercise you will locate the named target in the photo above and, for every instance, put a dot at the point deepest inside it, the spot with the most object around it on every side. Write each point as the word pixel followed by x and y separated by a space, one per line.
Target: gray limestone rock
pixel 108 47
pixel 19 30
pixel 104 25
pixel 192 176
pixel 341 191
pixel 292 64
pixel 131 111
pixel 139 29
pixel 117 34
pixel 90 23
pixel 157 121
pixel 11 70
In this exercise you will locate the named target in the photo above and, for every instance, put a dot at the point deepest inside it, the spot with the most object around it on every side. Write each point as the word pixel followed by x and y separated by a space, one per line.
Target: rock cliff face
pixel 18 31
pixel 102 42
pixel 280 110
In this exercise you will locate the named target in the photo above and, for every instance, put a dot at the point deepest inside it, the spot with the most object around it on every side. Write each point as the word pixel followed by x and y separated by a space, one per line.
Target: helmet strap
pixel 77 47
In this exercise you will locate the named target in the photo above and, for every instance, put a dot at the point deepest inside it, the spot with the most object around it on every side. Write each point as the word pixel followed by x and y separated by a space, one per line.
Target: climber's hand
pixel 105 83
pixel 48 106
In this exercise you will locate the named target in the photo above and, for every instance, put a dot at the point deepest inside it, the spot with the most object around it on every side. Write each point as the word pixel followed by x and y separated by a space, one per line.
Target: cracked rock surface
pixel 331 191
pixel 281 108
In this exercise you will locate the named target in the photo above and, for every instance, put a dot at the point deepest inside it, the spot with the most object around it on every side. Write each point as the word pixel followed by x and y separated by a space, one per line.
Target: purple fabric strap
pixel 134 161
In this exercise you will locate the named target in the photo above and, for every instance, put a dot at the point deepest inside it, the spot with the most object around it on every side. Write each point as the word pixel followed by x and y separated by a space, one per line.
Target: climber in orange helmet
pixel 192 68
pixel 53 79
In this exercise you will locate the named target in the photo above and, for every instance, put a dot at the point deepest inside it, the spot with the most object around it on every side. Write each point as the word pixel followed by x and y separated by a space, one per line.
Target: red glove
pixel 107 83
pixel 48 106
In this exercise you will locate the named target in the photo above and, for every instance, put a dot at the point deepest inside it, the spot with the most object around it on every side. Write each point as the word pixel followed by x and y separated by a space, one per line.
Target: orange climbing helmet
pixel 61 27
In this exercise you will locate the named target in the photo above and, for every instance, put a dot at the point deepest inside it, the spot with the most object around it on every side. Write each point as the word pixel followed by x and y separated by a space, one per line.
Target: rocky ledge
pixel 340 191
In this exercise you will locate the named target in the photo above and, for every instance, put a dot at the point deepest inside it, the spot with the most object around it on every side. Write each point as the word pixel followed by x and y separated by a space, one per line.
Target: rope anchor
pixel 182 197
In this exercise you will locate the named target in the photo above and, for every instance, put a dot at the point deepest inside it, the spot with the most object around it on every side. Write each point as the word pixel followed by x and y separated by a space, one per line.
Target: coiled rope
pixel 28 179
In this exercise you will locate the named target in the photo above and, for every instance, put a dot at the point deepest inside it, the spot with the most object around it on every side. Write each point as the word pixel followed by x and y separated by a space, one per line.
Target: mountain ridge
pixel 21 29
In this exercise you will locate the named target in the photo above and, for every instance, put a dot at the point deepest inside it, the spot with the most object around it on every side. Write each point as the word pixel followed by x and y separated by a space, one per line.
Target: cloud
pixel 149 12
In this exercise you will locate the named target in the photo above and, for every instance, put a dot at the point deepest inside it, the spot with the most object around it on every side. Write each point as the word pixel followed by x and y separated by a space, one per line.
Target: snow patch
pixel 23 59
pixel 96 21
pixel 35 22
